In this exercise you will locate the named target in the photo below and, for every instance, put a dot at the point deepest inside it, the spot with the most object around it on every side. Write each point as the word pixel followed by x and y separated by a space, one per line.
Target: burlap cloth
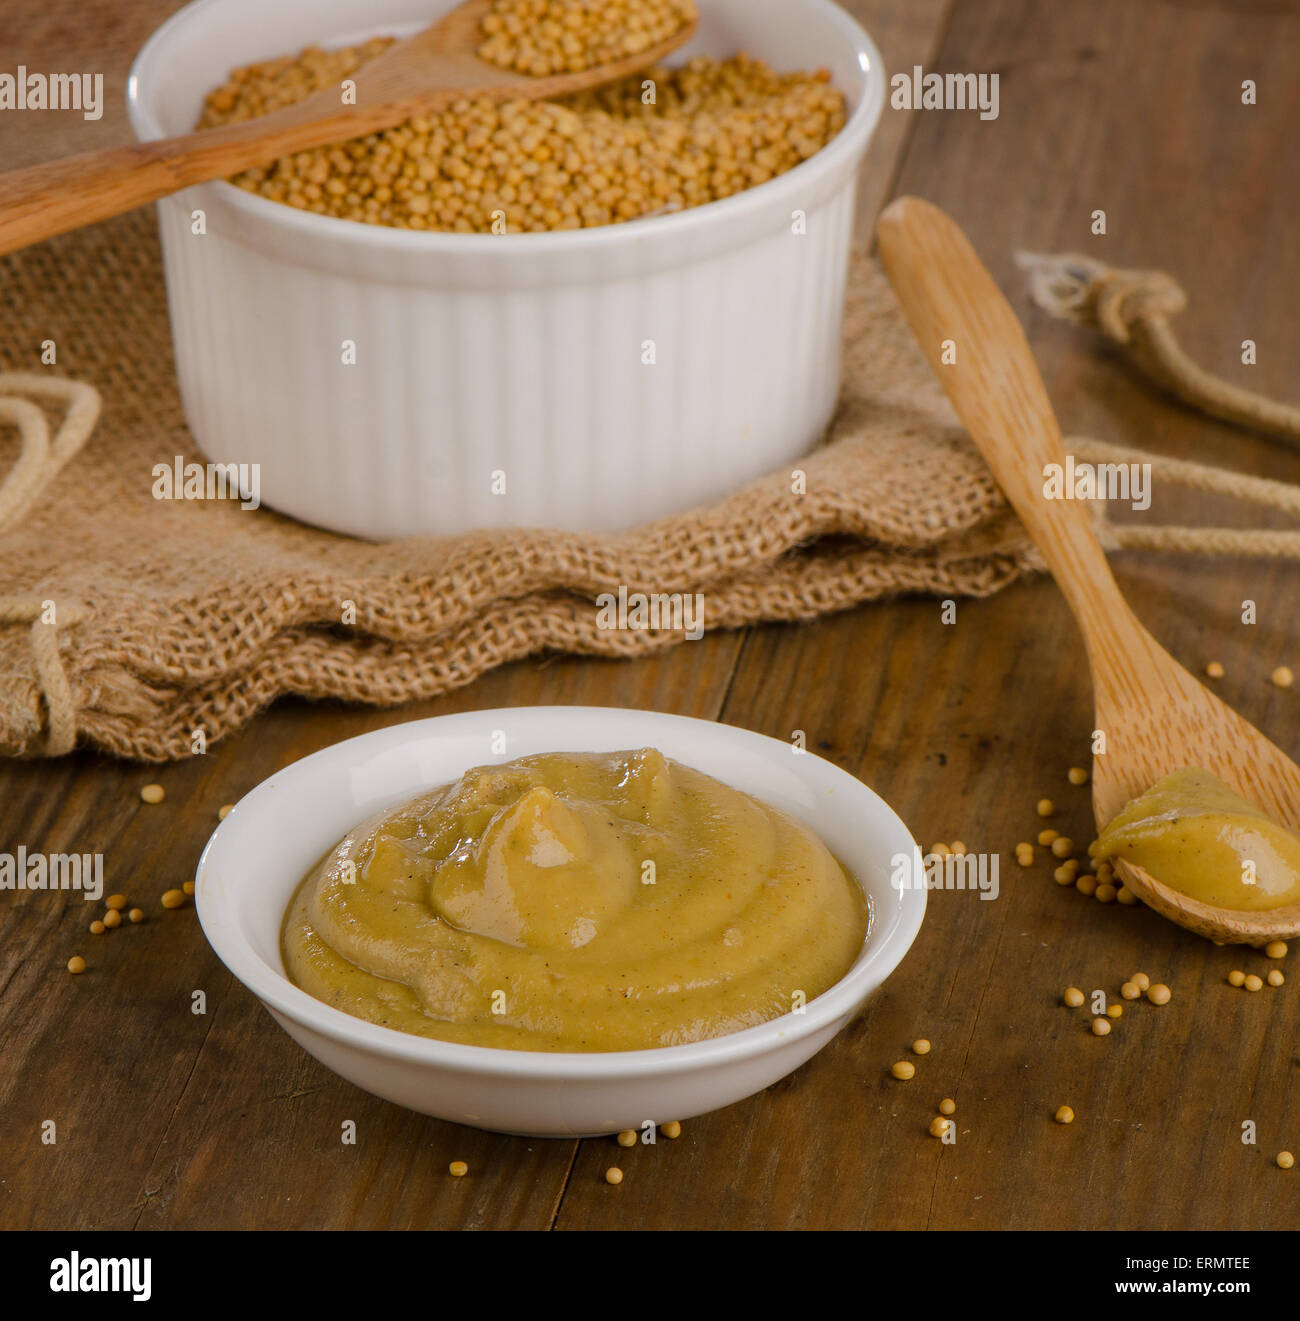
pixel 127 623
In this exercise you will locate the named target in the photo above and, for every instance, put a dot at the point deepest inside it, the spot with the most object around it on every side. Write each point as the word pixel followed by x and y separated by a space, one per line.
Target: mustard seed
pixel 1100 1027
pixel 1126 897
pixel 1062 846
pixel 76 964
pixel 627 1138
pixel 224 811
pixel 1064 1115
pixel 1285 1160
pixel 1214 669
pixel 958 848
pixel 188 887
pixel 672 1129
pixel 136 915
pixel 1275 977
pixel 947 1106
pixel 173 898
pixel 1282 677
pixel 1276 949
pixel 1253 983
pixel 1064 876
pixel 1236 977
pixel 458 1169
pixel 1086 884
pixel 1130 991
pixel 152 793
pixel 1141 979
pixel 1045 807
pixel 1106 893
pixel 112 919
pixel 613 1175
pixel 903 1070
pixel 1115 1010
pixel 1073 996
pixel 716 128
pixel 1159 994
pixel 939 1126
pixel 1077 775
pixel 97 928
pixel 1045 837
pixel 921 1046
pixel 940 850
pixel 115 901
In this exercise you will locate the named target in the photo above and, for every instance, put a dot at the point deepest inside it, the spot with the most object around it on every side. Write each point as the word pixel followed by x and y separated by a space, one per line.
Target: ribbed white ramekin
pixel 519 360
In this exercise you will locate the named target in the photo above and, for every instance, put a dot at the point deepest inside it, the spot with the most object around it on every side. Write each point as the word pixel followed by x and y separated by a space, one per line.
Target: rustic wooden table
pixel 166 1118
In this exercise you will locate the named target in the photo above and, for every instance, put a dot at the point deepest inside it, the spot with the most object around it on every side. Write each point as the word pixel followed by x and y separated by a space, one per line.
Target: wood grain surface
pixel 167 1118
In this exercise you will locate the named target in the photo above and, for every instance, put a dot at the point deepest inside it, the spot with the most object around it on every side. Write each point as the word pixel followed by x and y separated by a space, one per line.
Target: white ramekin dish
pixel 519 355
pixel 264 847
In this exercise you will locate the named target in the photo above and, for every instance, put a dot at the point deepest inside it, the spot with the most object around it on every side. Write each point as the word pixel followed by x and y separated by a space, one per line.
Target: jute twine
pixel 126 624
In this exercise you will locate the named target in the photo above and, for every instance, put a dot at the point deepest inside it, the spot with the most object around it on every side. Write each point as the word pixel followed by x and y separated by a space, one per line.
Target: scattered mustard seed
pixel 97 928
pixel 1062 846
pixel 1115 1010
pixel 1100 1027
pixel 1253 983
pixel 76 964
pixel 940 850
pixel 115 901
pixel 1064 1115
pixel 1064 875
pixel 1130 990
pixel 1276 949
pixel 1214 669
pixel 921 1046
pixel 672 1129
pixel 947 1106
pixel 152 793
pixel 939 1126
pixel 1106 893
pixel 1077 775
pixel 1285 1160
pixel 1073 996
pixel 1141 979
pixel 1126 897
pixel 173 898
pixel 1045 837
pixel 112 919
pixel 627 1138
pixel 903 1070
pixel 1236 977
pixel 958 848
pixel 1282 677
pixel 1275 977
pixel 613 1175
pixel 224 811
pixel 1158 993
pixel 136 915
pixel 458 1169
pixel 1086 884
pixel 1045 807
pixel 188 887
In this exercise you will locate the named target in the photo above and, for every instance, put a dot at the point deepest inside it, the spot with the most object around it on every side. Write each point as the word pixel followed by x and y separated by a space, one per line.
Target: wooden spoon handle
pixel 43 200
pixel 958 313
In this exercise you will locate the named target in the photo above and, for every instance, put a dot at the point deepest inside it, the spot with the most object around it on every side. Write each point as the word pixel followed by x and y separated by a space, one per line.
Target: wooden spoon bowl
pixel 420 75
pixel 1154 716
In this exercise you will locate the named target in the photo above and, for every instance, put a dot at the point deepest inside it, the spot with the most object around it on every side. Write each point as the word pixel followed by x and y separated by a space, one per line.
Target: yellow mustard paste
pixel 1198 837
pixel 575 901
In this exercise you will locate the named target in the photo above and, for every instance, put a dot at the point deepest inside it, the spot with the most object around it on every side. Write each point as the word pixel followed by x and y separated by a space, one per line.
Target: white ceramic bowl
pixel 520 354
pixel 264 847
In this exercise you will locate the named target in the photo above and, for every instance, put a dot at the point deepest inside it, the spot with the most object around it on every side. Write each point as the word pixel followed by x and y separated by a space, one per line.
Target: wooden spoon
pixel 1156 717
pixel 418 76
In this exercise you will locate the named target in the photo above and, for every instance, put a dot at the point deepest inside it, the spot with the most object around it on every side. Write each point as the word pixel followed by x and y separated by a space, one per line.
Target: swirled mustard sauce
pixel 575 902
pixel 1192 832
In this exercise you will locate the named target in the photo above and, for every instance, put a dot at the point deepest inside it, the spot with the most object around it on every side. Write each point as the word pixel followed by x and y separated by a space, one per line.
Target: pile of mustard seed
pixel 542 37
pixel 661 141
